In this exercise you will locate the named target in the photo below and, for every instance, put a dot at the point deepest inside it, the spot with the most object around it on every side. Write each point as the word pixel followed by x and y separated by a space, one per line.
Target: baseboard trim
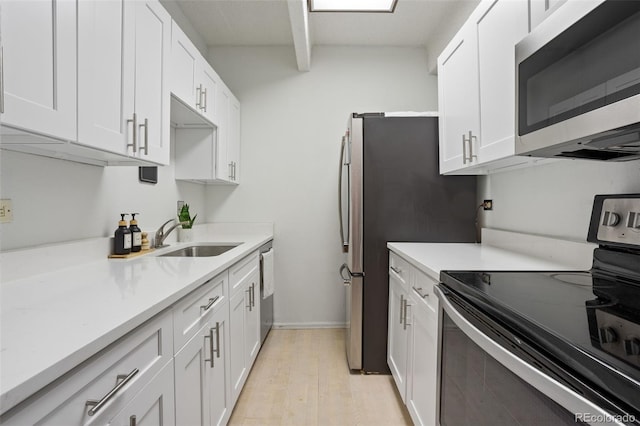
pixel 308 325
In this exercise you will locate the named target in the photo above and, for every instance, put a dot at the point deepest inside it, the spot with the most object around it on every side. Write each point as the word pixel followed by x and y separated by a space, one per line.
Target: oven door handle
pixel 550 387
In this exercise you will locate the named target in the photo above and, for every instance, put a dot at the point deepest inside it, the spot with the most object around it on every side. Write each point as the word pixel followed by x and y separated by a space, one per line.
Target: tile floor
pixel 301 378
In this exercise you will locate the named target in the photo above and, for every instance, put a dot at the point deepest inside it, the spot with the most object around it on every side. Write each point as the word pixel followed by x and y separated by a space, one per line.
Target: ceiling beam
pixel 299 19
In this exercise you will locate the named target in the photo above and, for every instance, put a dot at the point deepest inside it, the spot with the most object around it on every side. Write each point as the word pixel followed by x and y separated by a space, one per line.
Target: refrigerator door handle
pixel 345 280
pixel 345 241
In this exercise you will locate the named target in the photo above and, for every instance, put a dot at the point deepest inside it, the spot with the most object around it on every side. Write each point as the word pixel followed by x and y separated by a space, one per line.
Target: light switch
pixel 6 211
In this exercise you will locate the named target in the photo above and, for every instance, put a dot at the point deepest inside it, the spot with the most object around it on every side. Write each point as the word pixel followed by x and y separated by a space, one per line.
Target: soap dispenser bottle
pixel 122 241
pixel 136 234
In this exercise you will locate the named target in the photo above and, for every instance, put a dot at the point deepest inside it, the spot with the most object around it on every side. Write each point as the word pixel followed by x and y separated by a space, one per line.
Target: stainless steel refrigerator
pixel 391 190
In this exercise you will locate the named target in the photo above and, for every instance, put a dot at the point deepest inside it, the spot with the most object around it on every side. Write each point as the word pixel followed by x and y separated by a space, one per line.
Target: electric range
pixel 581 329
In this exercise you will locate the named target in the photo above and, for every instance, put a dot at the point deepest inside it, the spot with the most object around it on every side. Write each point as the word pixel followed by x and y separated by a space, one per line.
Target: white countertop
pixel 50 322
pixel 431 258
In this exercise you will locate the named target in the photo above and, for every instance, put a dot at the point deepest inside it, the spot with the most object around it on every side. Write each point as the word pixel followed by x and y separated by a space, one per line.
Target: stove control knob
pixel 610 219
pixel 632 346
pixel 608 335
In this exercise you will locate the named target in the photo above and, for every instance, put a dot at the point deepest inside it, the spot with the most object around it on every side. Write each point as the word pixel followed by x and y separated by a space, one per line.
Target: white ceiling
pixel 267 22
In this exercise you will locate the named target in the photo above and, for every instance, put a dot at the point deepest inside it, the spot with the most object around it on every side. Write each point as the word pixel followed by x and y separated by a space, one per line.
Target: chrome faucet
pixel 161 234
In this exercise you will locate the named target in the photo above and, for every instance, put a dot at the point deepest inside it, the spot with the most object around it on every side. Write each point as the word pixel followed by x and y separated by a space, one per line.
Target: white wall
pixel 55 200
pixel 292 124
pixel 554 199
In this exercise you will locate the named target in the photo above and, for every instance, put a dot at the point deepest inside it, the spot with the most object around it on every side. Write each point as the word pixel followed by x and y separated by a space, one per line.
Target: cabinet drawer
pixel 400 268
pixel 138 356
pixel 422 288
pixel 240 272
pixel 191 312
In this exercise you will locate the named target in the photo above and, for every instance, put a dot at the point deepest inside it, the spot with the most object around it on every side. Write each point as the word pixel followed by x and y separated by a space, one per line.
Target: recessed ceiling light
pixel 352 5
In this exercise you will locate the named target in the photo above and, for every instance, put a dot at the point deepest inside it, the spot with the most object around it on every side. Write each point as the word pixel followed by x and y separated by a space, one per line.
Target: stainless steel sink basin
pixel 201 250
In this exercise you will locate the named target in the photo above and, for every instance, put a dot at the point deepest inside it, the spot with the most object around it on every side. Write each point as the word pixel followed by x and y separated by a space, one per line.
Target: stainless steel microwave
pixel 578 83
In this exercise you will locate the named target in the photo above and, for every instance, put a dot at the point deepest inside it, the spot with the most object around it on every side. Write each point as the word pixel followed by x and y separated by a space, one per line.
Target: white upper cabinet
pixel 208 86
pixel 476 78
pixel 206 115
pixel 122 96
pixel 39 66
pixel 542 9
pixel 499 29
pixel 458 99
pixel 193 81
pixel 105 50
pixel 184 59
pixel 153 46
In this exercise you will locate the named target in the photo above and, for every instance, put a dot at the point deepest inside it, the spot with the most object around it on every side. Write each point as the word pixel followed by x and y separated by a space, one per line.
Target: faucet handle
pixel 165 224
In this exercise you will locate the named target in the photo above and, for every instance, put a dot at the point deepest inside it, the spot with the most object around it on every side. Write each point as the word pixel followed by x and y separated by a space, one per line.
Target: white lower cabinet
pixel 192 381
pixel 104 385
pixel 421 398
pixel 412 344
pixel 146 379
pixel 201 368
pixel 398 334
pixel 244 320
pixel 153 406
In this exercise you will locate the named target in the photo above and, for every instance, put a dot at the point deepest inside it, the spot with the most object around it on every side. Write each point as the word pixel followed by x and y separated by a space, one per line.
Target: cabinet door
pixel 421 385
pixel 252 318
pixel 153 35
pixel 233 142
pixel 184 59
pixel 192 380
pixel 542 9
pixel 397 335
pixel 237 341
pixel 458 98
pixel 220 378
pixel 498 30
pixel 39 72
pixel 208 83
pixel 223 165
pixel 153 406
pixel 106 63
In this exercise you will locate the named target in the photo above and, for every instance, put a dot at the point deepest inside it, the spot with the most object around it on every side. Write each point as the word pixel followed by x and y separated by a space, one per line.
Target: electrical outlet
pixel 180 204
pixel 6 211
pixel 487 204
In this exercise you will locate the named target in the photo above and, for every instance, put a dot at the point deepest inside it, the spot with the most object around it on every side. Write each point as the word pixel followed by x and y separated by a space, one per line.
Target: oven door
pixel 481 382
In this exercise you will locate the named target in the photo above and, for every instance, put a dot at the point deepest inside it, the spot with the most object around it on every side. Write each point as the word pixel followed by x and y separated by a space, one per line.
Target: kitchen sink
pixel 201 250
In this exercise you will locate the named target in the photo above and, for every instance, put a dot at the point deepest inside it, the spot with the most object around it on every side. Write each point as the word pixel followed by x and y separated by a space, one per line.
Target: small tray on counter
pixel 130 255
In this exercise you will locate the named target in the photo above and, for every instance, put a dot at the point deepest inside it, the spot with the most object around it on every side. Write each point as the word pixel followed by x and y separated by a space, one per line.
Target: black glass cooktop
pixel 587 322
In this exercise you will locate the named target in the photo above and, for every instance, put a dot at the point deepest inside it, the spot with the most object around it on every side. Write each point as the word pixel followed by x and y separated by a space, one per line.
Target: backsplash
pixel 56 201
pixel 555 198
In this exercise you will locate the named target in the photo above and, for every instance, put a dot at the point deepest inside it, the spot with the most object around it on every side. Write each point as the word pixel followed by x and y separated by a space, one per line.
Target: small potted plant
pixel 185 234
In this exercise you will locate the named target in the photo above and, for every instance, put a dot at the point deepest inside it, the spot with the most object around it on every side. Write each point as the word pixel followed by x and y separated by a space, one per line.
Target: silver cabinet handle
pixel 121 381
pixel 468 140
pixel 230 171
pixel 406 305
pixel 134 145
pixel 418 290
pixel 210 304
pixel 133 420
pixel 401 308
pixel 217 351
pixel 204 93
pixel 1 80
pixel 396 270
pixel 248 291
pixel 199 97
pixel 146 135
pixel 210 337
pixel 472 156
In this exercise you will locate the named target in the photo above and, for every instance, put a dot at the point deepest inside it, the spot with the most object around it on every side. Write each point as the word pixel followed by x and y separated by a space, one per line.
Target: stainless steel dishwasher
pixel 266 304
